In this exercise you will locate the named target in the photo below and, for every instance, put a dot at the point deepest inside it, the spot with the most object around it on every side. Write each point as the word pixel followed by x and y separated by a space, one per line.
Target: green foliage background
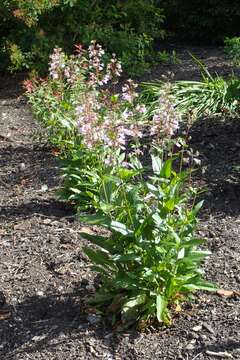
pixel 29 29
pixel 127 28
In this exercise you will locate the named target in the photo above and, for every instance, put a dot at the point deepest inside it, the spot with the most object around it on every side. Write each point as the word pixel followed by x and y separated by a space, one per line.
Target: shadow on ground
pixel 218 143
pixel 48 208
pixel 40 322
pixel 218 348
pixel 27 165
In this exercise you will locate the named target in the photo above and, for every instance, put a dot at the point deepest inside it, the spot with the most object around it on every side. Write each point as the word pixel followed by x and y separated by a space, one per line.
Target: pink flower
pixel 126 114
pixel 57 63
pixel 165 121
pixel 141 108
pixel 128 91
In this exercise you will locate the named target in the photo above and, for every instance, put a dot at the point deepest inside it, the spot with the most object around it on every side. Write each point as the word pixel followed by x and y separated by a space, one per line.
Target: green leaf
pixel 136 164
pixel 175 235
pixel 135 301
pixel 166 169
pixel 126 258
pixel 97 240
pixel 98 257
pixel 156 164
pixel 127 173
pixel 65 123
pixel 101 270
pixel 170 204
pixel 192 243
pixel 127 281
pixel 97 219
pixel 152 188
pixel 197 207
pixel 157 219
pixel 161 307
pixel 181 254
pixel 120 228
pixel 101 298
pixel 76 191
pixel 201 285
pixel 106 191
pixel 196 256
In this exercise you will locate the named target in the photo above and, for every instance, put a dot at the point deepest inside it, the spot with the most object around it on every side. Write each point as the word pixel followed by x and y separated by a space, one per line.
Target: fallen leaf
pixel 24 180
pixel 5 314
pixel 226 293
pixel 178 308
pixel 55 152
pixel 87 230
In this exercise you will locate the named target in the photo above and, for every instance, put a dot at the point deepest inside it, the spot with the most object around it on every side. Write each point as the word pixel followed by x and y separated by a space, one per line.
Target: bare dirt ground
pixel 44 275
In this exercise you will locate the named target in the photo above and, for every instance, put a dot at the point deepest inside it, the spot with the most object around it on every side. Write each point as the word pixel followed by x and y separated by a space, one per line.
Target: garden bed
pixel 45 276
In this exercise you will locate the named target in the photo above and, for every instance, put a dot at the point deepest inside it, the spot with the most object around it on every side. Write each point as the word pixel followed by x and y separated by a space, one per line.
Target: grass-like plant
pixel 211 95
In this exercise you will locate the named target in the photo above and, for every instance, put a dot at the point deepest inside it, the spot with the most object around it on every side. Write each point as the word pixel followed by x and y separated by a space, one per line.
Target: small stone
pixel 47 221
pixel 3 345
pixel 22 166
pixel 93 319
pixel 190 346
pixel 19 226
pixel 40 293
pixel 62 335
pixel 90 288
pixel 203 337
pixel 44 188
pixel 197 328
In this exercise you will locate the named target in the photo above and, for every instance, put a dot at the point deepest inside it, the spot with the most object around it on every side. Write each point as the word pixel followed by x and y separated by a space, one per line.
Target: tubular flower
pixel 128 91
pixel 57 63
pixel 165 121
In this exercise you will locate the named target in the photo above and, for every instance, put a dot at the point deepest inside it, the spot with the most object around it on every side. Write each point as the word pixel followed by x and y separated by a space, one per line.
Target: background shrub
pixel 206 20
pixel 30 29
pixel 232 48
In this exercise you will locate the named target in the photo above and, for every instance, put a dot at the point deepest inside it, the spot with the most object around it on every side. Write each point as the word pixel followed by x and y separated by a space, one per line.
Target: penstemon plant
pixel 150 260
pixel 90 123
pixel 86 119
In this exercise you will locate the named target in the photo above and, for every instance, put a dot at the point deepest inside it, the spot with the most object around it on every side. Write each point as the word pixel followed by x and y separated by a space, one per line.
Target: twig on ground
pixel 221 354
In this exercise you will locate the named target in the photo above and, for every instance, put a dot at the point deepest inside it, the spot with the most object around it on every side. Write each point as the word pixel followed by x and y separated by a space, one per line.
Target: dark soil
pixel 45 276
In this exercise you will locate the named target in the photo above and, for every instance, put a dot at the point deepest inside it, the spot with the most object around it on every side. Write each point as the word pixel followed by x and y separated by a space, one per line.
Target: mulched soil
pixel 45 275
